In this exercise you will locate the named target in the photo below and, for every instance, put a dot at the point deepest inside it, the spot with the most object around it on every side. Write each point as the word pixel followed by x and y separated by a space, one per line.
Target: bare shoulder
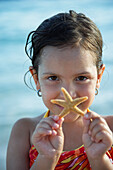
pixel 23 127
pixel 19 143
pixel 109 120
pixel 33 123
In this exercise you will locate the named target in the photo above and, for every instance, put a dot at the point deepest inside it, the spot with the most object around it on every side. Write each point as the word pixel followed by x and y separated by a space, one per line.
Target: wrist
pixel 101 163
pixel 50 156
pixel 50 162
pixel 44 162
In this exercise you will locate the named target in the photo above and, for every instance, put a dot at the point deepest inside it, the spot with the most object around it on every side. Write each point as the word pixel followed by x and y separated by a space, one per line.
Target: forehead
pixel 66 61
pixel 68 53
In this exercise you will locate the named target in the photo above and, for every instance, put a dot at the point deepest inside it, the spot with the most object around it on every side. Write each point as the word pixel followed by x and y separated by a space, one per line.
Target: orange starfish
pixel 69 104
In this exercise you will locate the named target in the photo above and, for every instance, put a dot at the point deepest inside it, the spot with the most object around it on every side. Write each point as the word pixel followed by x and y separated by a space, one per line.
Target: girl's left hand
pixel 97 136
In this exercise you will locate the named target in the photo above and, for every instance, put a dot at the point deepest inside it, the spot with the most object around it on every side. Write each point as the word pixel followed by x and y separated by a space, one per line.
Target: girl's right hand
pixel 48 136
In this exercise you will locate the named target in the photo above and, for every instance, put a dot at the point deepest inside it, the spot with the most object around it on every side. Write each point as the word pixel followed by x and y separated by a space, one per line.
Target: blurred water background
pixel 17 19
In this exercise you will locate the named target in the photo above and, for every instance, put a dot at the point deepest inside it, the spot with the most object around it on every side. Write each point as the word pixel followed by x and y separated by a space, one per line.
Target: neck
pixel 73 125
pixel 73 134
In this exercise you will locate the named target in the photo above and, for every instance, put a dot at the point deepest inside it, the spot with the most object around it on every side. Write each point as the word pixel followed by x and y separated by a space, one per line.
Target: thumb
pixel 86 137
pixel 87 119
pixel 86 123
pixel 60 122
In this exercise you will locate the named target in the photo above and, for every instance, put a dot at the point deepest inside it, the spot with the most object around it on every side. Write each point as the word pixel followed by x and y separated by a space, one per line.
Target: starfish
pixel 69 104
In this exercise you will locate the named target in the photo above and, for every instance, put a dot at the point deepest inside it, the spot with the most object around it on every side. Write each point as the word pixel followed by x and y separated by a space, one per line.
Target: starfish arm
pixel 64 112
pixel 66 95
pixel 69 104
pixel 77 110
pixel 77 101
pixel 59 102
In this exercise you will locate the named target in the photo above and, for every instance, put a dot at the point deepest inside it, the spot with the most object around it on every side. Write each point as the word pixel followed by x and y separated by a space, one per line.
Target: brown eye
pixel 53 78
pixel 81 78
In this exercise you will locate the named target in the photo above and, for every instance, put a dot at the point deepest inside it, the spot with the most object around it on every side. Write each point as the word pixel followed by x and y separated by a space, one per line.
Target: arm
pixel 102 163
pixel 18 147
pixel 109 120
pixel 45 163
pixel 97 139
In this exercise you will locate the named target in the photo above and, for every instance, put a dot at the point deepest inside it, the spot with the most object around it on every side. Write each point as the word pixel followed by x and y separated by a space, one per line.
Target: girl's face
pixel 69 67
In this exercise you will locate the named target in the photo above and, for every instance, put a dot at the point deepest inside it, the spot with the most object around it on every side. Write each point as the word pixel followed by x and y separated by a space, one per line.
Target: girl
pixel 66 51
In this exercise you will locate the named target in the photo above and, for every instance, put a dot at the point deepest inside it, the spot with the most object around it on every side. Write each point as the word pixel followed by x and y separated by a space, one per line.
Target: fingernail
pixel 55 117
pixel 89 132
pixel 92 138
pixel 86 115
pixel 54 132
pixel 55 125
pixel 62 119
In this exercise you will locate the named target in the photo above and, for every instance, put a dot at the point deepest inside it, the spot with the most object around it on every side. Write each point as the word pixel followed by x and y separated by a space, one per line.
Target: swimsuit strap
pixel 47 114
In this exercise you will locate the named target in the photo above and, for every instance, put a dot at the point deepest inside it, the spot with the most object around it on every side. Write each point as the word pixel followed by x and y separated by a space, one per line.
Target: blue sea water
pixel 17 19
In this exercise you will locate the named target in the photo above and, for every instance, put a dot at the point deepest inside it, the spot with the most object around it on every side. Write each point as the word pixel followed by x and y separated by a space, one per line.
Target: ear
pixel 101 71
pixel 35 77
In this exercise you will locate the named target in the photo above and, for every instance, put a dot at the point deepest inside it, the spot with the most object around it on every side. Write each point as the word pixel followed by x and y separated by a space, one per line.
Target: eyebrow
pixel 51 73
pixel 84 73
pixel 48 73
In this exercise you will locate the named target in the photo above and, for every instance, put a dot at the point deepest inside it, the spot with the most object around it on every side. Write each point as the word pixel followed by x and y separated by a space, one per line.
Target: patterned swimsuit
pixel 70 160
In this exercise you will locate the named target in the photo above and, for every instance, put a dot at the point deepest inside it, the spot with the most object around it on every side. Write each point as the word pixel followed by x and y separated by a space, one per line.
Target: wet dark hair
pixel 65 29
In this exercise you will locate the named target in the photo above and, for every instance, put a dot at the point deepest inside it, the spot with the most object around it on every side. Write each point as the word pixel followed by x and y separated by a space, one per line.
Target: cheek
pixel 47 95
pixel 46 100
pixel 88 91
pixel 91 96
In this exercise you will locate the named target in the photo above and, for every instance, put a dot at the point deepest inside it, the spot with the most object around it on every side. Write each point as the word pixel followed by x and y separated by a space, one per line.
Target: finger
pixel 44 132
pixel 52 126
pixel 44 125
pixel 60 121
pixel 98 137
pixel 103 136
pixel 53 123
pixel 59 130
pixel 91 115
pixel 98 128
pixel 88 119
pixel 57 120
pixel 86 125
pixel 41 133
pixel 49 122
pixel 98 124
